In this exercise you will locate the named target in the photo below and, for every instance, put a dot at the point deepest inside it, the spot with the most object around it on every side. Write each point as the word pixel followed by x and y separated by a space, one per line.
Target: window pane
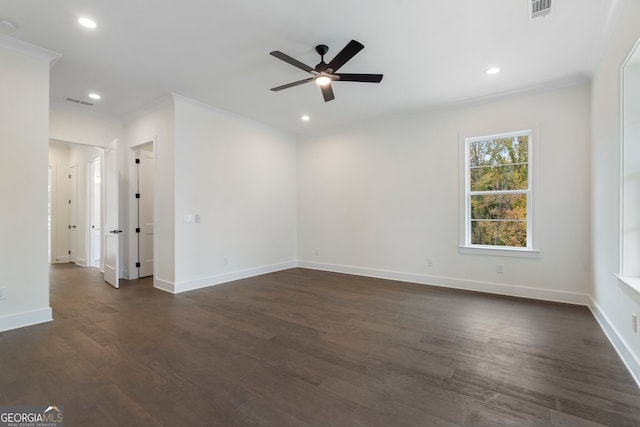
pixel 500 151
pixel 499 233
pixel 496 178
pixel 499 206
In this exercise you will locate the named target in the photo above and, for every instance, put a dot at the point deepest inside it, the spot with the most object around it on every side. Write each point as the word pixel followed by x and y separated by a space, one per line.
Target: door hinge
pixel 137 195
pixel 137 264
pixel 69 176
pixel 137 160
pixel 69 201
pixel 137 229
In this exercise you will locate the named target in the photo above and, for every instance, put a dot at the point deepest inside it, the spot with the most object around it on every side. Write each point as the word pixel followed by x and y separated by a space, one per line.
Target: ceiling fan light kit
pixel 322 79
pixel 324 74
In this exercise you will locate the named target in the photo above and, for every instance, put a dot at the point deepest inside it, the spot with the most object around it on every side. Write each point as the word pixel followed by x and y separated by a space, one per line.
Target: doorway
pixel 75 203
pixel 144 173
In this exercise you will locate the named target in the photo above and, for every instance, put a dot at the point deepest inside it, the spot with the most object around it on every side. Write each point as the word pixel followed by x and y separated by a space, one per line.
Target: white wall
pixel 239 176
pixel 156 124
pixel 379 198
pixel 82 126
pixel 613 301
pixel 24 108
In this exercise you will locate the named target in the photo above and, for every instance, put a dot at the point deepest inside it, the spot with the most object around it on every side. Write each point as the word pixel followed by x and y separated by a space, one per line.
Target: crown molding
pixel 30 49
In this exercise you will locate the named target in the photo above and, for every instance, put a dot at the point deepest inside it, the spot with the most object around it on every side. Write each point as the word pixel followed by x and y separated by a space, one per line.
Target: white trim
pixel 469 193
pixel 164 285
pixel 499 251
pixel 30 49
pixel 218 279
pixel 149 108
pixel 455 283
pixel 233 116
pixel 632 282
pixel 616 340
pixel 26 318
pixel 621 142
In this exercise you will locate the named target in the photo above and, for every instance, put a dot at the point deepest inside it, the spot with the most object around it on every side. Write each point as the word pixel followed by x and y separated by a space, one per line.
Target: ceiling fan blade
pixel 288 85
pixel 327 92
pixel 345 55
pixel 364 78
pixel 289 60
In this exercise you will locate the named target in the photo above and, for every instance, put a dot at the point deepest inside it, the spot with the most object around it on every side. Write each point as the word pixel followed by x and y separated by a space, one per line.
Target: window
pixel 498 191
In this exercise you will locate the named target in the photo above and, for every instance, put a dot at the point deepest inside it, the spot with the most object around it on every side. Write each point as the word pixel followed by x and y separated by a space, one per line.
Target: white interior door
pixel 95 185
pixel 111 224
pixel 73 212
pixel 146 169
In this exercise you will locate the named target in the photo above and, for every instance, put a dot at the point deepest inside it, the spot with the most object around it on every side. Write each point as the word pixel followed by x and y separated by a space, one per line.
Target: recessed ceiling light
pixel 493 70
pixel 94 96
pixel 88 23
pixel 305 118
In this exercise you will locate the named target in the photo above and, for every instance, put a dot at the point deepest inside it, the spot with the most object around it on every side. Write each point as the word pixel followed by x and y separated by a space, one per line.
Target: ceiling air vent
pixel 77 101
pixel 539 8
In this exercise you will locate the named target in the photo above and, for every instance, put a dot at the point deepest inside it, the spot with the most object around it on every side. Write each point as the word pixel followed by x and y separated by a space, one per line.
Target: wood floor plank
pixel 312 348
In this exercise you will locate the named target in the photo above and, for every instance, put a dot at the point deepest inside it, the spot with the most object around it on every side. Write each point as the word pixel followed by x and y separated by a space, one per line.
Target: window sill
pixel 504 252
pixel 631 282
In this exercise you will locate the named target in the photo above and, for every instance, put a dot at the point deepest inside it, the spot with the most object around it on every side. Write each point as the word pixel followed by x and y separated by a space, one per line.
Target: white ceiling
pixel 217 52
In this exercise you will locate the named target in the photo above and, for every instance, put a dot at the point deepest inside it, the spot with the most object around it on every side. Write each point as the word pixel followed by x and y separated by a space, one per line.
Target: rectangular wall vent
pixel 77 101
pixel 539 8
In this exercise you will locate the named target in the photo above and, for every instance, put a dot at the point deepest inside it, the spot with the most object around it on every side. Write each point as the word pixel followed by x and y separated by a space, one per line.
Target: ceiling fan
pixel 323 74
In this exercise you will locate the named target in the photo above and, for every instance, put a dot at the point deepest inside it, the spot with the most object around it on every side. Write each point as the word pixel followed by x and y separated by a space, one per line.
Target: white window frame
pixel 465 245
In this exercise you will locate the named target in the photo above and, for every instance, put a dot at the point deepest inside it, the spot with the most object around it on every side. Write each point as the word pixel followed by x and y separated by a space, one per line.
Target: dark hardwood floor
pixel 309 348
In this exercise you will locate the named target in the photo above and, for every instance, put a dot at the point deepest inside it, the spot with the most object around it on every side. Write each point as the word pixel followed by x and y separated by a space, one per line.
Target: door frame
pixel 111 220
pixel 74 197
pixel 56 170
pixel 133 209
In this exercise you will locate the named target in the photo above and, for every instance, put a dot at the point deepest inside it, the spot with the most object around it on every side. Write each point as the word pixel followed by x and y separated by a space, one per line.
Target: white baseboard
pixel 81 262
pixel 627 356
pixel 163 285
pixel 449 282
pixel 218 279
pixel 26 318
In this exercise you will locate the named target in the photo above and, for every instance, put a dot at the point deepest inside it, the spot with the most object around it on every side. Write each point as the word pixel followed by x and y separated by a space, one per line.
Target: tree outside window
pixel 498 190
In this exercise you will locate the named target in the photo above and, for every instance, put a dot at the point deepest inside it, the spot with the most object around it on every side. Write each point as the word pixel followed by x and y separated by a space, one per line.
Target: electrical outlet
pixel 499 268
pixel 3 293
pixel 634 322
pixel 429 262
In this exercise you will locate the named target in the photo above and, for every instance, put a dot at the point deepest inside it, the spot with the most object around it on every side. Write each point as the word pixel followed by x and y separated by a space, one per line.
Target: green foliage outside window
pixel 499 181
